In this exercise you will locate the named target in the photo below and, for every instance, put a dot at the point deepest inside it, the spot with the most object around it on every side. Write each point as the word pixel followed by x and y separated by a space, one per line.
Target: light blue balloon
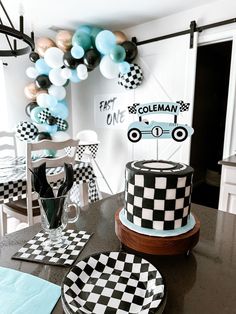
pixel 74 77
pixel 118 54
pixel 81 39
pixel 105 42
pixel 124 67
pixel 77 52
pixel 51 128
pixel 34 114
pixel 60 110
pixel 95 31
pixel 85 29
pixel 52 101
pixel 42 67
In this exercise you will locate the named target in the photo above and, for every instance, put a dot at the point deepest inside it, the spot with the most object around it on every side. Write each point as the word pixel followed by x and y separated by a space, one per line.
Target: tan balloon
pixel 120 37
pixel 31 91
pixel 42 44
pixel 41 91
pixel 63 40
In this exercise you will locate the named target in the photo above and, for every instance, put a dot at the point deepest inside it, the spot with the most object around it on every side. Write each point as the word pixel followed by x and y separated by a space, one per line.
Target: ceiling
pixel 44 15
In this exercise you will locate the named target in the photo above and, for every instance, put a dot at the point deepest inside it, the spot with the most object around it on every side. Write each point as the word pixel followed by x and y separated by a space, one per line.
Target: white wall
pixel 15 81
pixel 207 14
pixel 115 150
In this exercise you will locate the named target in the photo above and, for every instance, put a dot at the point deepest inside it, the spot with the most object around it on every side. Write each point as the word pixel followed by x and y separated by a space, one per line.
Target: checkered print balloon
pixel 132 79
pixel 26 131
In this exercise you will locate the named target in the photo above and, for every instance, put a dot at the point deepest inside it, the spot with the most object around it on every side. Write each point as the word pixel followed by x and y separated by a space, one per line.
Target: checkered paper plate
pixel 113 282
pixel 33 251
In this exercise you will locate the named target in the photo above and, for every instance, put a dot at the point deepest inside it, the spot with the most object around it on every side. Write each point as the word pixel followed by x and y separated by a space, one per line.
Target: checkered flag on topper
pixel 183 106
pixel 132 109
pixel 132 79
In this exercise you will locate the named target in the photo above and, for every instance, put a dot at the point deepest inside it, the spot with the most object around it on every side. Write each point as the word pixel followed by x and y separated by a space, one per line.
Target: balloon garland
pixel 69 59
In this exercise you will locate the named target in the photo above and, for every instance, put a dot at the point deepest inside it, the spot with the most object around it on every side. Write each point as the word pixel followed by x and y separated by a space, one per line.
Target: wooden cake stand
pixel 181 244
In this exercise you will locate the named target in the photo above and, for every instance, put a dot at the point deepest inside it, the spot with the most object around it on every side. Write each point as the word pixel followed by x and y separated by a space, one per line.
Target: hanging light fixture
pixel 13 50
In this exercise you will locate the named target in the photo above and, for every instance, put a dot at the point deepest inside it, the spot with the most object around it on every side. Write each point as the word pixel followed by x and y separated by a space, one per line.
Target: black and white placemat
pixel 113 282
pixel 33 251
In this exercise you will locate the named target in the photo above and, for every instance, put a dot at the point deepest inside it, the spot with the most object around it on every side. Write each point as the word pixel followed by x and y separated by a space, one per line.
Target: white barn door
pixel 169 75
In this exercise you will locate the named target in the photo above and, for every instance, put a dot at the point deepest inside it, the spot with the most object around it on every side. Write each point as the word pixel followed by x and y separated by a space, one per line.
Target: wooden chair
pixel 8 145
pixel 89 138
pixel 27 210
pixel 8 148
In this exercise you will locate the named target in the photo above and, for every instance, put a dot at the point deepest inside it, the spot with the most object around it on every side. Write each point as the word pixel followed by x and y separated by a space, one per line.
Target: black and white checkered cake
pixel 158 194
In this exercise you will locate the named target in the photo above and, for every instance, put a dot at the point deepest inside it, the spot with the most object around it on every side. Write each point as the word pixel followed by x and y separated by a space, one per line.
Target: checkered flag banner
pixel 113 282
pixel 132 109
pixel 183 106
pixel 90 149
pixel 133 78
pixel 44 114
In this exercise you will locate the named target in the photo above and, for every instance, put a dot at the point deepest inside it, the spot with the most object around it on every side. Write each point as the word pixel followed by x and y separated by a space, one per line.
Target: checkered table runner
pixel 13 179
pixel 87 149
pixel 33 250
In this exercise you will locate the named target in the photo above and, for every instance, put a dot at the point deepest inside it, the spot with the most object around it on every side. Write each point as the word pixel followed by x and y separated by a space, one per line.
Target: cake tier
pixel 158 194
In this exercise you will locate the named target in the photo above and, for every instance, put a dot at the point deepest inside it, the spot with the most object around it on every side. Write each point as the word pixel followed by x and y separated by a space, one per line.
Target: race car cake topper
pixel 144 129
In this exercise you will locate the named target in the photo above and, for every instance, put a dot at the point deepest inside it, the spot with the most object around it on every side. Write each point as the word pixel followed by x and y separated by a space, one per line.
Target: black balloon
pixel 42 81
pixel 43 136
pixel 71 62
pixel 29 107
pixel 51 120
pixel 34 56
pixel 131 50
pixel 92 59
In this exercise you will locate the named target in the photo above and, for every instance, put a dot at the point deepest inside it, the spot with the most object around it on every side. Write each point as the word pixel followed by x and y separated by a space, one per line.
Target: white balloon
pixel 82 71
pixel 45 100
pixel 60 136
pixel 108 68
pixel 59 92
pixel 83 77
pixel 56 78
pixel 31 72
pixel 42 100
pixel 66 73
pixel 54 57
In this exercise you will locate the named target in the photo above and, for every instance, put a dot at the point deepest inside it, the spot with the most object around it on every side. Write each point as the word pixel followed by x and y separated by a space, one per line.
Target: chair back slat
pixel 8 143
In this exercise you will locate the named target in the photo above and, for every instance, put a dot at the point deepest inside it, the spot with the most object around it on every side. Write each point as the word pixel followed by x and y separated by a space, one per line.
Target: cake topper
pixel 149 130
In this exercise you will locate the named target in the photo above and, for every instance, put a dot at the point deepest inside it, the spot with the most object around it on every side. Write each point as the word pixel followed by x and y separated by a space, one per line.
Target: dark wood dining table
pixel 203 282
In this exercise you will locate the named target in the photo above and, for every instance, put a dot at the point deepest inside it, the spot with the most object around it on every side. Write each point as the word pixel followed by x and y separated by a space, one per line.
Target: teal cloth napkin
pixel 22 293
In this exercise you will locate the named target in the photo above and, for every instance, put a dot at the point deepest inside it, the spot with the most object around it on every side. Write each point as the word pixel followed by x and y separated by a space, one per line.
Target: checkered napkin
pixel 113 282
pixel 33 251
